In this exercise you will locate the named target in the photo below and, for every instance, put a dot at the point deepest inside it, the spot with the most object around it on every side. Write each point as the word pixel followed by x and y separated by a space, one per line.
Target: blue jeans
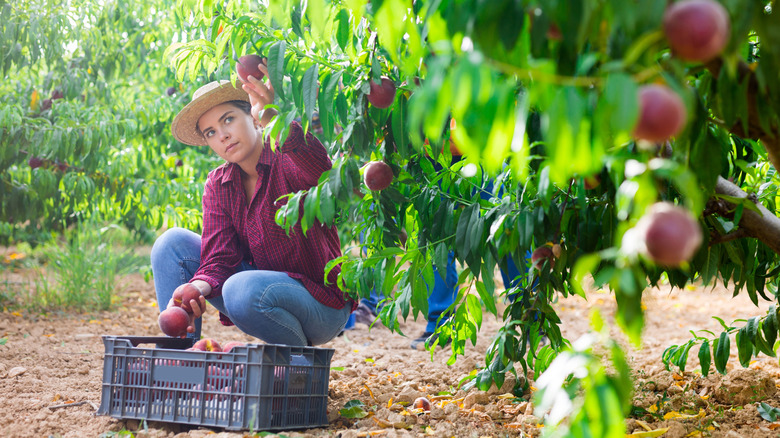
pixel 268 305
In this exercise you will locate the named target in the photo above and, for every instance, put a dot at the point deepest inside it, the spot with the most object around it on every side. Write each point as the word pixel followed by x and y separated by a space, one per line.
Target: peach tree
pixel 85 119
pixel 638 141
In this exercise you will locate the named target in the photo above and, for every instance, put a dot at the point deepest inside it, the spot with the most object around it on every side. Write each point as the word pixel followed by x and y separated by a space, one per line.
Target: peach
pixel 697 30
pixel 184 294
pixel 662 114
pixel 378 175
pixel 381 94
pixel 671 234
pixel 422 403
pixel 230 345
pixel 173 321
pixel 541 254
pixel 207 344
pixel 247 66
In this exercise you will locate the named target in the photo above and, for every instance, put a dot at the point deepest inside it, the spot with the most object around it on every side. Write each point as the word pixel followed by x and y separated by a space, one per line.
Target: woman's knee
pixel 170 242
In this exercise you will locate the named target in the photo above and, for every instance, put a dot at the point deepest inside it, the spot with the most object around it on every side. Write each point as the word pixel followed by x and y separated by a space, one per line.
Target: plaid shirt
pixel 234 231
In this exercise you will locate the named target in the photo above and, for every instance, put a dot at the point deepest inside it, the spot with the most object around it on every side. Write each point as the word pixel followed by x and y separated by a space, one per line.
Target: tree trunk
pixel 764 226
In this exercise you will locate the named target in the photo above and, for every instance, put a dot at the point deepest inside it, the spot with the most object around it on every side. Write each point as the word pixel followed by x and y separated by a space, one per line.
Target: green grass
pixel 80 271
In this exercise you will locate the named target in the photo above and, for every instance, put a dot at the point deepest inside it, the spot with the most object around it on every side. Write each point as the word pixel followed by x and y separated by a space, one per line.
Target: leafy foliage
pixel 538 95
pixel 84 125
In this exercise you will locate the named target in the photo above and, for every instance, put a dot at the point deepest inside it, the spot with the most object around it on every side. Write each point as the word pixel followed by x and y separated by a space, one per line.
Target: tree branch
pixel 764 226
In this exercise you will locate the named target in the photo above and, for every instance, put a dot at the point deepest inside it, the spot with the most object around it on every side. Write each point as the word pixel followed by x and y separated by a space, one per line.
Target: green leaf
pixel 769 326
pixel 310 88
pixel 463 232
pixel 343 31
pixel 353 409
pixel 705 358
pixel 276 67
pixel 768 412
pixel 474 309
pixel 722 349
pixel 744 346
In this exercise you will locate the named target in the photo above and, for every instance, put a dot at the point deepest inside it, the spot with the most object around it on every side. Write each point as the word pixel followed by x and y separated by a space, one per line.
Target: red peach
pixel 184 294
pixel 378 175
pixel 247 66
pixel 422 403
pixel 230 345
pixel 697 30
pixel 173 321
pixel 662 114
pixel 207 344
pixel 541 254
pixel 382 94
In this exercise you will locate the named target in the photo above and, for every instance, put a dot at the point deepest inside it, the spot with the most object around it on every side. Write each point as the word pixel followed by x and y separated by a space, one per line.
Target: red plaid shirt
pixel 233 231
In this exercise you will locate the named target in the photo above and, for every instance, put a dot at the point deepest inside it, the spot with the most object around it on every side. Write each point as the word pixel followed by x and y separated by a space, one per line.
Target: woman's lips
pixel 230 146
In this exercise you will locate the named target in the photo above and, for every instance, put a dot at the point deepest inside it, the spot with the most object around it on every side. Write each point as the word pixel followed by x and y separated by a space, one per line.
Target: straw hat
pixel 206 97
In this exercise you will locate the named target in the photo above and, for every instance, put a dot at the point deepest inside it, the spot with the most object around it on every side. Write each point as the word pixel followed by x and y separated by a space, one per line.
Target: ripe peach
pixel 382 94
pixel 184 294
pixel 662 114
pixel 173 321
pixel 541 254
pixel 671 234
pixel 230 345
pixel 378 175
pixel 697 30
pixel 35 162
pixel 207 344
pixel 422 403
pixel 247 66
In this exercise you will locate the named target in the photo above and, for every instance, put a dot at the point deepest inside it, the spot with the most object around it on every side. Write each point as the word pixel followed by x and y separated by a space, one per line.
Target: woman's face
pixel 232 134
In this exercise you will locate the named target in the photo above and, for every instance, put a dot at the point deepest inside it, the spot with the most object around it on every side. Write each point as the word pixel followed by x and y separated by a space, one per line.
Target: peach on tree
pixel 662 114
pixel 381 94
pixel 378 175
pixel 540 254
pixel 697 30
pixel 671 234
pixel 247 65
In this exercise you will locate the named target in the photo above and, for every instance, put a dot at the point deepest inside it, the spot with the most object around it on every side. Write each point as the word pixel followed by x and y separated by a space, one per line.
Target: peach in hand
pixel 184 294
pixel 173 321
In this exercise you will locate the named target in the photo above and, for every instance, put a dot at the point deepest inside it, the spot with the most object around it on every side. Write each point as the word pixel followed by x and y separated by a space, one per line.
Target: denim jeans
pixel 268 305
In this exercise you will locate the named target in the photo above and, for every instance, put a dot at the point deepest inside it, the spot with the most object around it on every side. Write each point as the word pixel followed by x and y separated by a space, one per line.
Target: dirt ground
pixel 51 372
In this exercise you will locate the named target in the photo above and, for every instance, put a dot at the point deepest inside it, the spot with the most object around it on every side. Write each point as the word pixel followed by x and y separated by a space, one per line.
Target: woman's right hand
pixel 261 93
pixel 198 306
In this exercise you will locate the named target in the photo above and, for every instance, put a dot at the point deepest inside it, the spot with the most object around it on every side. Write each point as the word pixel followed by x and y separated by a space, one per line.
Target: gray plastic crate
pixel 258 386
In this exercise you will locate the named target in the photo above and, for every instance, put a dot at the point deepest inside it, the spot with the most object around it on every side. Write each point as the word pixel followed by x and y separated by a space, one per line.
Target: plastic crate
pixel 257 386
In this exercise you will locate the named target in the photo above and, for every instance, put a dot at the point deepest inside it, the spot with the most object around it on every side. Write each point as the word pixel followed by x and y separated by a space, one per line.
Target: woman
pixel 270 285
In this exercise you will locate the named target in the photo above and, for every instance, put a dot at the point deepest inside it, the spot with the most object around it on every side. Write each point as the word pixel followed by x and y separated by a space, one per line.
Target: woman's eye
pixel 210 133
pixel 228 119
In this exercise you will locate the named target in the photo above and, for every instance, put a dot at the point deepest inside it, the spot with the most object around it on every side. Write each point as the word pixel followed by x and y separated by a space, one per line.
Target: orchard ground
pixel 57 360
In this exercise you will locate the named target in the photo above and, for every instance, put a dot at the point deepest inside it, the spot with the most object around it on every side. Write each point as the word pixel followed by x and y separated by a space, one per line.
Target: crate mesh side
pixel 259 386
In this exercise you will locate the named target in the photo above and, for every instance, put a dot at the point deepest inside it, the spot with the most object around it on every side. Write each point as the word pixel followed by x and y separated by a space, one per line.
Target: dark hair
pixel 242 105
pixel 239 104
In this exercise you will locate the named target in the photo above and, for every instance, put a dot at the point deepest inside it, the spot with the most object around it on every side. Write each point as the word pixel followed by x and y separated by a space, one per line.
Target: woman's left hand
pixel 261 93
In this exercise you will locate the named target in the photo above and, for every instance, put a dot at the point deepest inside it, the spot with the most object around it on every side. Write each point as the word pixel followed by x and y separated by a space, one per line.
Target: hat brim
pixel 184 126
